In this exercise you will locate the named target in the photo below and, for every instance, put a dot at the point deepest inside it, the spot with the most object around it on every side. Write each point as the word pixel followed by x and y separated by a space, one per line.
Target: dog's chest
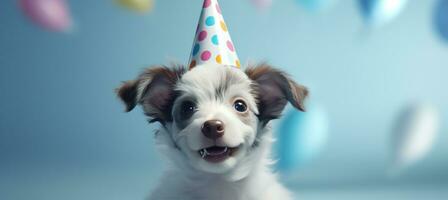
pixel 220 190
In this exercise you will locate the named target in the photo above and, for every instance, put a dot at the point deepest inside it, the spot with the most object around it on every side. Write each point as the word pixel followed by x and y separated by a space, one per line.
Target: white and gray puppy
pixel 215 128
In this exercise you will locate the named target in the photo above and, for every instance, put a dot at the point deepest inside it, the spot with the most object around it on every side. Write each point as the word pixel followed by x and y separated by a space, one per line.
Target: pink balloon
pixel 262 4
pixel 50 14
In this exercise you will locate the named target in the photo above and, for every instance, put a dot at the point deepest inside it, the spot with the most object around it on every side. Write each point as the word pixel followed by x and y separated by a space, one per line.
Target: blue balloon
pixel 301 136
pixel 441 19
pixel 315 5
pixel 379 12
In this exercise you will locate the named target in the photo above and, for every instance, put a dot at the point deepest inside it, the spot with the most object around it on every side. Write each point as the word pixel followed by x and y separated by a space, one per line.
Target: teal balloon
pixel 380 12
pixel 315 5
pixel 301 136
pixel 441 19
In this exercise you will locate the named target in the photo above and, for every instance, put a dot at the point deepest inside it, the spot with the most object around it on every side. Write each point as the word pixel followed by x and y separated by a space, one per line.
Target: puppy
pixel 215 128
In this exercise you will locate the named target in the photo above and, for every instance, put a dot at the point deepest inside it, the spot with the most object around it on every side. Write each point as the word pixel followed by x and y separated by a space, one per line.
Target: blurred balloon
pixel 315 5
pixel 301 136
pixel 379 12
pixel 50 14
pixel 414 136
pixel 441 19
pixel 262 4
pixel 137 5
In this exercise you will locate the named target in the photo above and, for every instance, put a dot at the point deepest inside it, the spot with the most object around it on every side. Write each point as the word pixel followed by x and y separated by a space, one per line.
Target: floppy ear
pixel 275 89
pixel 154 90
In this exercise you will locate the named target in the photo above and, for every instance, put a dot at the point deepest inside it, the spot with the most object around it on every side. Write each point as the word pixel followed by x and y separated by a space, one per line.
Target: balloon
pixel 137 5
pixel 414 136
pixel 379 12
pixel 301 136
pixel 50 14
pixel 441 19
pixel 262 4
pixel 315 5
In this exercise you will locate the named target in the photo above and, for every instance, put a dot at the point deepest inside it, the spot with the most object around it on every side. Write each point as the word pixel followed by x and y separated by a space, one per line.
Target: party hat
pixel 212 43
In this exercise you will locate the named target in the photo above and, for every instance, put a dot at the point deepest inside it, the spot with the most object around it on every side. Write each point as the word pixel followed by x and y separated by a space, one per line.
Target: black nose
pixel 213 129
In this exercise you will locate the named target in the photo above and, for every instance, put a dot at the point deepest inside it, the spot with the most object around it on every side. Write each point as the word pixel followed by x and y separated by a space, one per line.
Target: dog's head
pixel 212 116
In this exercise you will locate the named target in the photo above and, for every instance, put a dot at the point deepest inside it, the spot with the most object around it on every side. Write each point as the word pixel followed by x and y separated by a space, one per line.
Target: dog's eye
pixel 240 106
pixel 187 109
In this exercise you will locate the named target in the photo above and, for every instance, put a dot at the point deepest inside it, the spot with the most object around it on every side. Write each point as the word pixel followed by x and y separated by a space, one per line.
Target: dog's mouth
pixel 217 154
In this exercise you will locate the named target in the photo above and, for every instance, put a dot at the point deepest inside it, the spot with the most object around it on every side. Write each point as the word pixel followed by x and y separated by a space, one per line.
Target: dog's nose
pixel 213 129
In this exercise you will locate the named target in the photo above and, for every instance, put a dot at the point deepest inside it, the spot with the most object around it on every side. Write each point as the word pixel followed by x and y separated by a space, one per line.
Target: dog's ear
pixel 274 89
pixel 154 90
pixel 128 94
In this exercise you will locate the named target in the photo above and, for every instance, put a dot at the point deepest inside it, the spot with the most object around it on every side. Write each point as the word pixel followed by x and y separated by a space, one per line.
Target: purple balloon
pixel 262 4
pixel 49 14
pixel 441 19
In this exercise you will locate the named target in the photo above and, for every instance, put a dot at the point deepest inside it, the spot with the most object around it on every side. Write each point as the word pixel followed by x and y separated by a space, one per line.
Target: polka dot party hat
pixel 212 43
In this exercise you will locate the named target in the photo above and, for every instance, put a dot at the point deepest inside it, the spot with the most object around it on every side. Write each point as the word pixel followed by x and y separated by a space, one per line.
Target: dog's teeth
pixel 203 153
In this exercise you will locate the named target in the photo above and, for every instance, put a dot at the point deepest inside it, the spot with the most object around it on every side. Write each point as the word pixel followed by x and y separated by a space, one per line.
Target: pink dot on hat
pixel 218 8
pixel 202 35
pixel 207 3
pixel 230 46
pixel 205 55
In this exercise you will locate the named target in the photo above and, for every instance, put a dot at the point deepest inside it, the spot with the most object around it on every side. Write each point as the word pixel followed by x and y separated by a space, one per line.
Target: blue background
pixel 64 134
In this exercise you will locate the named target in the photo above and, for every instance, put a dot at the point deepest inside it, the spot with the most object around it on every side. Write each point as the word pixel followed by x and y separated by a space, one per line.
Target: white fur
pixel 243 176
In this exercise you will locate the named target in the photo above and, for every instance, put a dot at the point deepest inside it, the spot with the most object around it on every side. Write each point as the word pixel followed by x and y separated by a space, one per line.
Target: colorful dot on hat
pixel 215 40
pixel 207 3
pixel 223 26
pixel 192 64
pixel 202 35
pixel 219 59
pixel 238 64
pixel 230 46
pixel 210 21
pixel 196 49
pixel 218 8
pixel 206 55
